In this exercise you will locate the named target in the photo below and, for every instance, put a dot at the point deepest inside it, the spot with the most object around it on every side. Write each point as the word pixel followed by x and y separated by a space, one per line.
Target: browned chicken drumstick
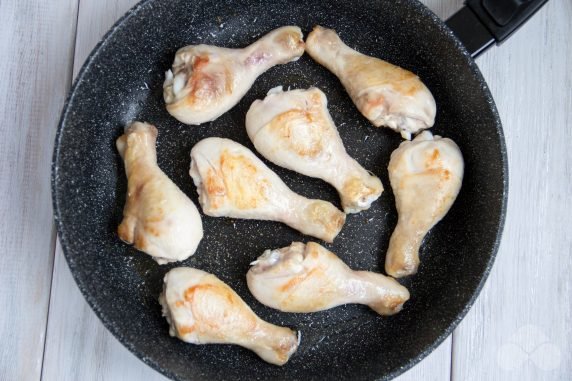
pixel 158 217
pixel 233 182
pixel 206 81
pixel 201 309
pixel 309 278
pixel 385 94
pixel 426 176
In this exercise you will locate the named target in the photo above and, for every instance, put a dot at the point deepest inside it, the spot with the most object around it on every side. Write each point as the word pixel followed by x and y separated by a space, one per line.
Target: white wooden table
pixel 520 326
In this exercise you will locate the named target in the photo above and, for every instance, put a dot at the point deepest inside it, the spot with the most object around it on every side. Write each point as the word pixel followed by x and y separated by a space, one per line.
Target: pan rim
pixel 415 6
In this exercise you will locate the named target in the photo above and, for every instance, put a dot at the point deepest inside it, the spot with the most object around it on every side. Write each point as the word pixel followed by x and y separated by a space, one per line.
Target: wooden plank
pixel 95 18
pixel 519 329
pixel 36 46
pixel 435 367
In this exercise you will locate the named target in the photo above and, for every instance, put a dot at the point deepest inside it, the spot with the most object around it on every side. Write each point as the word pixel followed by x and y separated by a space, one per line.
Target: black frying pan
pixel 122 81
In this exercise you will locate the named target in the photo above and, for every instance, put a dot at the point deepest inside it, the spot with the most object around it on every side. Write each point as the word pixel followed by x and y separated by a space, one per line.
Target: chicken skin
pixel 232 182
pixel 385 94
pixel 426 176
pixel 207 81
pixel 158 218
pixel 201 309
pixel 293 129
pixel 309 278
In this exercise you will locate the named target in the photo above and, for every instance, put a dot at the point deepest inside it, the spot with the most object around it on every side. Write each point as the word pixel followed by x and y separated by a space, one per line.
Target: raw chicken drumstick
pixel 158 217
pixel 309 278
pixel 294 129
pixel 201 309
pixel 207 81
pixel 426 176
pixel 385 94
pixel 233 182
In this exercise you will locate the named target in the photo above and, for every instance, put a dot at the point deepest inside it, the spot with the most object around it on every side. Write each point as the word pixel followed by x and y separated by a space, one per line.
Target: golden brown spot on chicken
pixel 139 188
pixel 215 306
pixel 214 184
pixel 206 83
pixel 313 250
pixel 125 230
pixel 244 188
pixel 186 329
pixel 394 302
pixel 152 230
pixel 371 103
pixel 446 174
pixel 279 126
pixel 316 99
pixel 433 159
pixel 222 291
pixel 140 242
pixel 409 87
pixel 376 72
pixel 325 214
pixel 377 101
pixel 199 62
pixel 294 282
pixel 337 222
pixel 438 172
pixel 355 189
pixel 282 352
pixel 179 303
pixel 204 89
pixel 290 40
pixel 157 216
pixel 190 292
pixel 282 125
pixel 318 303
pixel 312 119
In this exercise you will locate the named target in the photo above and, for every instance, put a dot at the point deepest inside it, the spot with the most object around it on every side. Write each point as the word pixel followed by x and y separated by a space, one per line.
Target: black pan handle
pixel 480 23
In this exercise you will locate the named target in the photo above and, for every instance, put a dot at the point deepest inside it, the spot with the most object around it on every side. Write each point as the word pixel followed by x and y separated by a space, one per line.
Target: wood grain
pixel 519 329
pixel 36 48
pixel 435 367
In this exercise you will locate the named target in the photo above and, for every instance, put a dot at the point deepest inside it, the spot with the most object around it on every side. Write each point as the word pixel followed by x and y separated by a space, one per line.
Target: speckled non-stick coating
pixel 122 81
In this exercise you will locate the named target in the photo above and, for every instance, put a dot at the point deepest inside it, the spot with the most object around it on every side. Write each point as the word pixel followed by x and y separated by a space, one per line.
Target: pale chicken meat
pixel 310 278
pixel 385 94
pixel 232 182
pixel 206 81
pixel 294 130
pixel 426 176
pixel 201 309
pixel 158 218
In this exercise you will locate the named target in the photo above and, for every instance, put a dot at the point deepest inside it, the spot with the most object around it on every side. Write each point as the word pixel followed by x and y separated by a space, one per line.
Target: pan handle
pixel 480 23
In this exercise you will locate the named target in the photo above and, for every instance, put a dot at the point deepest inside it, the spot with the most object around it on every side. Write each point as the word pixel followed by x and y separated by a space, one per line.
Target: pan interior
pixel 123 82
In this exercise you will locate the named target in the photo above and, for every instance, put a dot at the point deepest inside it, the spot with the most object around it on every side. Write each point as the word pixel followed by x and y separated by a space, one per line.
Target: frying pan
pixel 122 81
